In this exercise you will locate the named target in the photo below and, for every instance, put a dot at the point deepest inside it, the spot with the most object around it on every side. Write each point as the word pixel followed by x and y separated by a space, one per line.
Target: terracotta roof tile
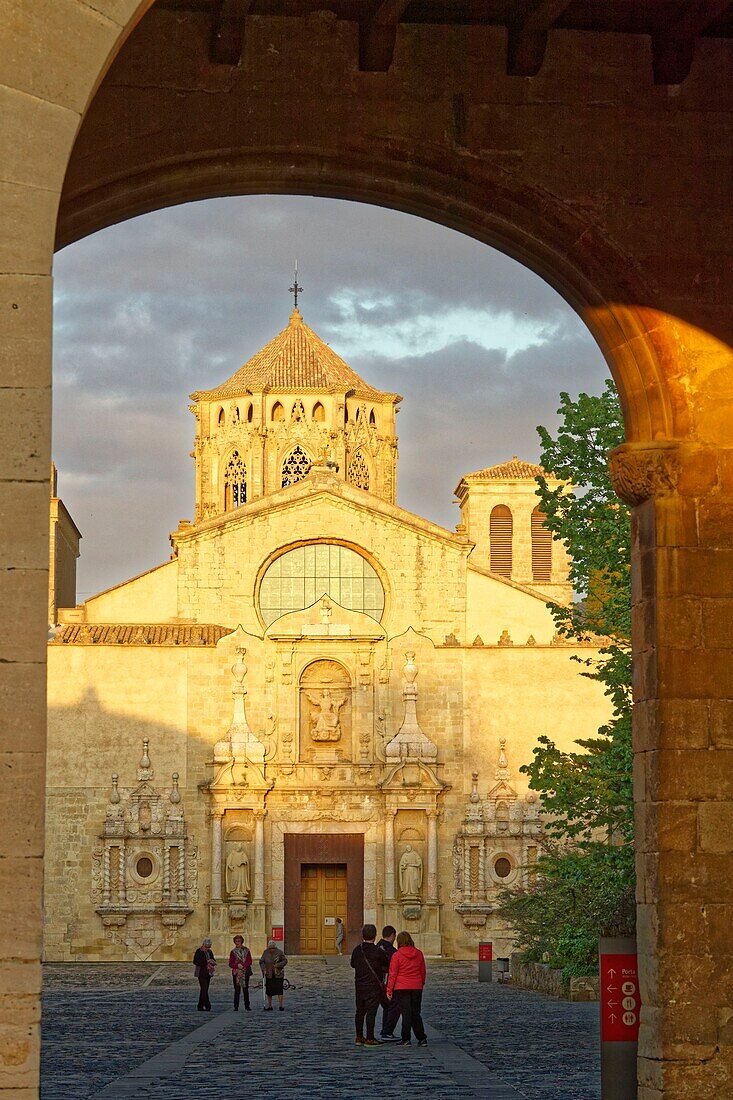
pixel 157 634
pixel 508 471
pixel 297 359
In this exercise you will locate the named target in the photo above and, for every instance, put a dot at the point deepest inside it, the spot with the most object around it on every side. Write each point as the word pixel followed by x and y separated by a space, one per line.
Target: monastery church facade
pixel 319 706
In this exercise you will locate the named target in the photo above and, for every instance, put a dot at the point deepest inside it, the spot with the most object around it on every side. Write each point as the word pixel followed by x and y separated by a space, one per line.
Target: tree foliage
pixel 585 882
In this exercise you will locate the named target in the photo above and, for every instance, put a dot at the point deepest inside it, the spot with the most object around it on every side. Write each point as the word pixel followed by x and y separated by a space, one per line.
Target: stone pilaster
pixel 389 883
pixel 216 821
pixel 259 816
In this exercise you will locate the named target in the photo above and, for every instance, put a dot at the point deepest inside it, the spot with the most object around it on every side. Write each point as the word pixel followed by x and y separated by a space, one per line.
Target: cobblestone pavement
pixel 103 1022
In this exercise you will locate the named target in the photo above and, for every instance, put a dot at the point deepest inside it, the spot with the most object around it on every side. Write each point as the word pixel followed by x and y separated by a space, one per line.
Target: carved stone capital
pixel 640 471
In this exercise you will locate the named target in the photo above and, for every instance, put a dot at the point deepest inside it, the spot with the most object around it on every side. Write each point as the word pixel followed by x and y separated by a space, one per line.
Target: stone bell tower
pixel 293 404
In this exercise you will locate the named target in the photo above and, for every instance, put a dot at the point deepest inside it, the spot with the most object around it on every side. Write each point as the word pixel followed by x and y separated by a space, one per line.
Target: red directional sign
pixel 277 933
pixel 620 1000
pixel 485 952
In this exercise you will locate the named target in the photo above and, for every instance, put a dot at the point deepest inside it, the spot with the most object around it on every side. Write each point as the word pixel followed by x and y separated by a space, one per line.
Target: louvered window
pixel 541 548
pixel 500 535
pixel 235 483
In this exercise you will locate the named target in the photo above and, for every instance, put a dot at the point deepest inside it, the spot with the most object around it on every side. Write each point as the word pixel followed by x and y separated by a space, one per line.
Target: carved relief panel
pixel 325 712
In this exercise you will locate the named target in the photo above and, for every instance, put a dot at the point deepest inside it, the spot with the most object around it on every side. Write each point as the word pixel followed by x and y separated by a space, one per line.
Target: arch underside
pixel 609 188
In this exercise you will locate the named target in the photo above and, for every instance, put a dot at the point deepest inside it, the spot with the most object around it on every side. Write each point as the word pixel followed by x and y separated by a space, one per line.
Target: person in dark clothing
pixel 370 965
pixel 391 1011
pixel 204 966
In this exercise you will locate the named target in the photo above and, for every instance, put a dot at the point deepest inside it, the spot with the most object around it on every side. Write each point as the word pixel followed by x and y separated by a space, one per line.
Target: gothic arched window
pixel 222 418
pixel 541 548
pixel 278 412
pixel 501 529
pixel 319 413
pixel 295 467
pixel 358 471
pixel 372 419
pixel 235 482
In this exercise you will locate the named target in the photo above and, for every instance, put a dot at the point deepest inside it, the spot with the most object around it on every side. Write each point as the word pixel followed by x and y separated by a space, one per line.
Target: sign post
pixel 620 1010
pixel 485 961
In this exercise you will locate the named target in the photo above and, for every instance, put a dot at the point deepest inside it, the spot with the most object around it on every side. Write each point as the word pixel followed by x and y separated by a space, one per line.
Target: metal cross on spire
pixel 295 289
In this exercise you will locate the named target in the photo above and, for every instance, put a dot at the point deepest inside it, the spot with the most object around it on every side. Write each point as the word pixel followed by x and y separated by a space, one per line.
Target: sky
pixel 151 310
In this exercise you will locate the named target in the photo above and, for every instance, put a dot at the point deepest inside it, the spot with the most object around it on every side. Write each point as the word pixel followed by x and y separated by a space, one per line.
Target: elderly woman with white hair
pixel 204 965
pixel 272 965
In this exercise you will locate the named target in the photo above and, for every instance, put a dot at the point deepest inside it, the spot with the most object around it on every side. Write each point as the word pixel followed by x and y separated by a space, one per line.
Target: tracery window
pixel 541 548
pixel 295 467
pixel 303 575
pixel 235 482
pixel 501 530
pixel 358 471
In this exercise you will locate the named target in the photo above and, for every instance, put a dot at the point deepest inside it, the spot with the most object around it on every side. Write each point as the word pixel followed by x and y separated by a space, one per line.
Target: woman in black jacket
pixel 204 966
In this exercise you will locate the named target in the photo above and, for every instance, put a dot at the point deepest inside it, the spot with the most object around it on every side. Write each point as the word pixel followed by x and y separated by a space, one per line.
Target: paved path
pixel 121 1031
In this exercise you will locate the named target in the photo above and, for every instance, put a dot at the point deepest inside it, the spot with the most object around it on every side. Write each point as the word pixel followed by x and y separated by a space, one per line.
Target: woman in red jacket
pixel 405 983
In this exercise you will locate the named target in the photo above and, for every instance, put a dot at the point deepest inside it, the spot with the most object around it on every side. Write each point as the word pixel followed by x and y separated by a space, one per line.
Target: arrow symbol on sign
pixel 611 988
pixel 612 973
pixel 613 1017
pixel 612 1004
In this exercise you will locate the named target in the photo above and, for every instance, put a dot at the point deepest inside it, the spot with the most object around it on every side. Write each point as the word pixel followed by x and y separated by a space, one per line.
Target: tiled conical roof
pixel 297 359
pixel 515 468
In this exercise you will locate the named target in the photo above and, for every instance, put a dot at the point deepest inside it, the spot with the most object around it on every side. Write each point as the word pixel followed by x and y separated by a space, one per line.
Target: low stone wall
pixel 585 989
pixel 547 980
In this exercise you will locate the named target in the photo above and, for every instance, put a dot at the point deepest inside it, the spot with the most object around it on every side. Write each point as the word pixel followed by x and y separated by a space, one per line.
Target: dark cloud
pixel 153 309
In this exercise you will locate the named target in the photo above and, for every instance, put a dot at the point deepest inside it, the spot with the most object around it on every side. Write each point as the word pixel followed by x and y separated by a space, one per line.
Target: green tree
pixel 585 882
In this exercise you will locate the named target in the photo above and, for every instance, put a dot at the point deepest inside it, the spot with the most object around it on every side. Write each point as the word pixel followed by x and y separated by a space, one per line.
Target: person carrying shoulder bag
pixel 370 965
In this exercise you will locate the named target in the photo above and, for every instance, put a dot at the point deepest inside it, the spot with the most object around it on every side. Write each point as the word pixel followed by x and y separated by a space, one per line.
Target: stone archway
pixel 586 173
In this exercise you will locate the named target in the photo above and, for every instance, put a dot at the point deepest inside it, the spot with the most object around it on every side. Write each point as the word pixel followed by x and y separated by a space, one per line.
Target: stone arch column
pixel 52 57
pixel 682 533
pixel 651 299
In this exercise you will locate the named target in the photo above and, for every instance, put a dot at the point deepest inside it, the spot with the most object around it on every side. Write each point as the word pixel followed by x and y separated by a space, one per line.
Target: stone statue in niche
pixel 410 873
pixel 325 712
pixel 237 872
pixel 324 718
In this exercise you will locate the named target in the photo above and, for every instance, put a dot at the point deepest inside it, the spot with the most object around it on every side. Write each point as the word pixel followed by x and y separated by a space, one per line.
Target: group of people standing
pixel 272 964
pixel 393 977
pixel 390 973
